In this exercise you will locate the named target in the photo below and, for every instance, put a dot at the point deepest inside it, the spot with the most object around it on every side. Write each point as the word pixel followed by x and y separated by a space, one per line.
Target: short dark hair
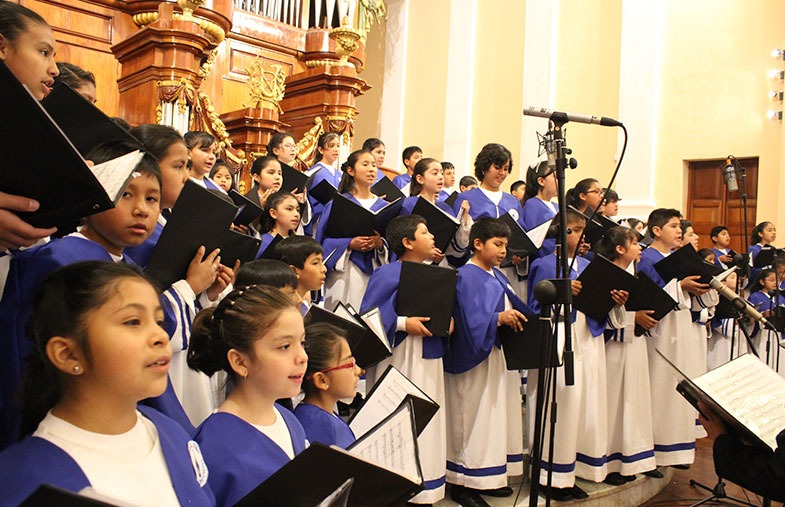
pixel 109 150
pixel 491 154
pixel 715 231
pixel 610 195
pixel 295 250
pixel 409 151
pixel 705 252
pixel 465 181
pixel 276 140
pixel 157 138
pixel 260 163
pixel 372 143
pixel 73 76
pixel 486 228
pixel 516 185
pixel 198 138
pixel 659 217
pixel 265 272
pixel 615 236
pixel 400 227
pixel 447 165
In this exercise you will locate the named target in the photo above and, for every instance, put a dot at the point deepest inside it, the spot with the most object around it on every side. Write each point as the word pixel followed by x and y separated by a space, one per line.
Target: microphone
pixel 729 173
pixel 559 116
pixel 739 303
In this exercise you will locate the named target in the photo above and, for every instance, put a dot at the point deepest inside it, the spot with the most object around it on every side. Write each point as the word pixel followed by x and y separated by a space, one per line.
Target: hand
pixel 360 243
pixel 583 248
pixel 711 423
pixel 466 217
pixel 415 326
pixel 725 259
pixel 376 241
pixel 512 318
pixel 15 232
pixel 242 229
pixel 517 260
pixel 620 297
pixel 437 255
pixel 202 273
pixel 263 198
pixel 452 325
pixel 576 287
pixel 691 285
pixel 224 277
pixel 300 196
pixel 644 319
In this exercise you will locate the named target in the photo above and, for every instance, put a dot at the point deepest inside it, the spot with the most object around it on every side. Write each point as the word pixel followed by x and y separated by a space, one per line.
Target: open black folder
pixel 367 347
pixel 293 180
pixel 686 262
pixel 426 290
pixel 440 224
pixel 40 161
pixel 519 243
pixel 369 460
pixel 387 190
pixel 85 125
pixel 647 295
pixel 348 219
pixel 745 393
pixel 199 217
pixel 450 201
pixel 248 211
pixel 523 349
pixel 389 391
pixel 599 278
pixel 322 191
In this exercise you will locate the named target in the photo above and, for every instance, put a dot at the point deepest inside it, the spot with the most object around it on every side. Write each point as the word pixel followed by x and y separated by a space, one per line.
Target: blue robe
pixel 320 172
pixel 382 292
pixel 35 461
pixel 239 456
pixel 402 180
pixel 649 258
pixel 478 302
pixel 719 253
pixel 141 254
pixel 323 427
pixel 334 248
pixel 266 238
pixel 753 251
pixel 536 212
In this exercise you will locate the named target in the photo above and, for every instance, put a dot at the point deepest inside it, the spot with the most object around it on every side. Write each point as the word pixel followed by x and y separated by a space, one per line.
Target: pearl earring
pixel 76 368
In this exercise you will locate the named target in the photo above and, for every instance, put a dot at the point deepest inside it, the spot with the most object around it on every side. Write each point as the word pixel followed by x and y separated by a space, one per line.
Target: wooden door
pixel 709 202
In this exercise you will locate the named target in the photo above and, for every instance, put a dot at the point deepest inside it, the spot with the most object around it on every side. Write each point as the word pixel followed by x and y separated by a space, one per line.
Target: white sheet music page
pixel 751 392
pixel 373 319
pixel 114 174
pixel 537 235
pixel 386 397
pixel 392 445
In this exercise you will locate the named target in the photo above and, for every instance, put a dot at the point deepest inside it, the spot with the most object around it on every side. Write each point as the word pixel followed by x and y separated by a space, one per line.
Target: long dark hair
pixel 574 194
pixel 419 168
pixel 616 236
pixel 267 223
pixel 322 143
pixel 533 173
pixel 347 181
pixel 16 19
pixel 757 233
pixel 61 308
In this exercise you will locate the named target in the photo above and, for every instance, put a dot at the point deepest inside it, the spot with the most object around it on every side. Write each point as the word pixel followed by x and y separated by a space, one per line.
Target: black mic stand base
pixel 718 495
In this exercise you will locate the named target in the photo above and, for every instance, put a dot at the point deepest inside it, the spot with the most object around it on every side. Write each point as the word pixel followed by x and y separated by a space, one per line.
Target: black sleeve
pixel 760 471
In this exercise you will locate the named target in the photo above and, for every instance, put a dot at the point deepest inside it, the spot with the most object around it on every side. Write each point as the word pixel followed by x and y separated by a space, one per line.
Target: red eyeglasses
pixel 350 364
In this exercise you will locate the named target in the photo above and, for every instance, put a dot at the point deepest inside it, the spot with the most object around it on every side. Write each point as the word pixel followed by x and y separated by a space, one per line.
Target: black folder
pixel 348 219
pixel 440 224
pixel 598 226
pixel 523 349
pixel 248 210
pixel 387 190
pixel 47 495
pixel 374 486
pixel 519 243
pixel 686 262
pixel 366 345
pixel 85 125
pixel 293 180
pixel 647 295
pixel 765 258
pixel 426 290
pixel 599 278
pixel 198 218
pixel 42 163
pixel 450 201
pixel 323 191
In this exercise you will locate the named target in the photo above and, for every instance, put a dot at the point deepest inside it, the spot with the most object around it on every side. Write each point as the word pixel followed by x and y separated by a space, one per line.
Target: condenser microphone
pixel 740 303
pixel 562 117
pixel 729 173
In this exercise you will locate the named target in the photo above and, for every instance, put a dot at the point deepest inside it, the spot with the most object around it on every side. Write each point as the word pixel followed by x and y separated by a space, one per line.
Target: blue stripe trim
pixel 591 460
pixel 174 296
pixel 436 483
pixel 675 447
pixel 640 456
pixel 476 472
pixel 515 458
pixel 559 468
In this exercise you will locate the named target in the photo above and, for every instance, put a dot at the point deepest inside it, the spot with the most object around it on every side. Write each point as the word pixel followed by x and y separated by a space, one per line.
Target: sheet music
pixel 537 235
pixel 386 397
pixel 344 312
pixel 392 445
pixel 373 319
pixel 114 173
pixel 750 391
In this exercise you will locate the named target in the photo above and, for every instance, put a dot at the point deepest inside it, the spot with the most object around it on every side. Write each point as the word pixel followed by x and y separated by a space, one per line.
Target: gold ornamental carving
pixel 189 6
pixel 265 86
pixel 371 11
pixel 213 31
pixel 346 38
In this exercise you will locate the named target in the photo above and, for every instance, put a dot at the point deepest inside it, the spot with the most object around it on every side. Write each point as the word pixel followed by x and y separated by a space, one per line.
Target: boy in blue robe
pixel 411 155
pixel 482 397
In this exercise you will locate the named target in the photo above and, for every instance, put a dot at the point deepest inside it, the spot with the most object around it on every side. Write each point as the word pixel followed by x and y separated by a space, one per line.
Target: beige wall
pixel 709 62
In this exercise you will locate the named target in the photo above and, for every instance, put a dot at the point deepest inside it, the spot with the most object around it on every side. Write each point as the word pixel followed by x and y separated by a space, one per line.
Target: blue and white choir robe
pixel 536 212
pixel 630 432
pixel 318 173
pixel 207 183
pixel 35 461
pixel 719 252
pixel 754 250
pixel 674 420
pixel 581 423
pixel 481 206
pixel 348 271
pixel 402 180
pixel 28 270
pixel 419 358
pixel 723 332
pixel 323 427
pixel 766 341
pixel 457 251
pixel 482 397
pixel 141 254
pixel 239 456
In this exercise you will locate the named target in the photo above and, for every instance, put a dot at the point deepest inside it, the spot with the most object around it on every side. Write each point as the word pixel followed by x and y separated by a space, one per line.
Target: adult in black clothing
pixel 758 470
